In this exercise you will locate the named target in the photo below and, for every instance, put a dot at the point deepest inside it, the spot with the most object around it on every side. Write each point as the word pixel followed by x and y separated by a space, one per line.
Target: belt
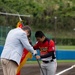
pixel 48 61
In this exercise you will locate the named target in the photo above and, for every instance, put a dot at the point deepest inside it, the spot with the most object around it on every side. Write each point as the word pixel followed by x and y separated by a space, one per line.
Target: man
pixel 15 42
pixel 47 53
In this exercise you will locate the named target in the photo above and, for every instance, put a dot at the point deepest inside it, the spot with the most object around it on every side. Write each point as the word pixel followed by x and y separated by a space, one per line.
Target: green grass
pixel 59 61
pixel 32 62
pixel 65 47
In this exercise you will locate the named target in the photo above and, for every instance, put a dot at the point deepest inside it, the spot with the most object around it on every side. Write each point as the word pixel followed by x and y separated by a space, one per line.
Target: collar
pixel 46 39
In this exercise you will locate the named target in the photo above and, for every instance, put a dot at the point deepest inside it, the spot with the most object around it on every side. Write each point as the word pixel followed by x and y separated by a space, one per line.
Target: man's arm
pixel 24 41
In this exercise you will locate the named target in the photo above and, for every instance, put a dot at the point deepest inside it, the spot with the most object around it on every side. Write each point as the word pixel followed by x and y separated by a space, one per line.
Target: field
pixel 32 68
pixel 65 47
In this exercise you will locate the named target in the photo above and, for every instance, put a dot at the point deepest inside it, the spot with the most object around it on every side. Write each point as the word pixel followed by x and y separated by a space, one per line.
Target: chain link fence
pixel 3 33
pixel 60 41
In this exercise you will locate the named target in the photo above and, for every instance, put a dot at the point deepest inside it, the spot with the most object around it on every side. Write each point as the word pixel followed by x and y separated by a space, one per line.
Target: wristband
pixel 36 54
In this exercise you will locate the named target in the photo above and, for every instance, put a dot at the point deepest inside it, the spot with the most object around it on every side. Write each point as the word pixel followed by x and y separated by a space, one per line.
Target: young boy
pixel 47 53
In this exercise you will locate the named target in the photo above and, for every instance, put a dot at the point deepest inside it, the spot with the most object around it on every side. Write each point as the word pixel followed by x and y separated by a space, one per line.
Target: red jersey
pixel 45 46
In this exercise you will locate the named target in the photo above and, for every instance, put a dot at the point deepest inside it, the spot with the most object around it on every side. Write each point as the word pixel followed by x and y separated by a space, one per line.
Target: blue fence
pixel 60 54
pixel 1 48
pixel 65 54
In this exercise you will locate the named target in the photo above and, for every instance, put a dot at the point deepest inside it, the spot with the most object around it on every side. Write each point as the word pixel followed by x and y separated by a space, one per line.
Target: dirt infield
pixel 33 69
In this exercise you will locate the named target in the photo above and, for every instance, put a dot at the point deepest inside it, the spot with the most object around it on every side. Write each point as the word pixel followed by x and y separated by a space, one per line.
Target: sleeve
pixel 51 46
pixel 24 41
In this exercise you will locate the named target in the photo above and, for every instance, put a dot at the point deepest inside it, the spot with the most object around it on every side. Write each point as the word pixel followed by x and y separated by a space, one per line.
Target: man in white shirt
pixel 15 42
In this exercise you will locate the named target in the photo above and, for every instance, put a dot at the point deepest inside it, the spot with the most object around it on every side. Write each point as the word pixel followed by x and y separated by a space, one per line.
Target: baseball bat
pixel 40 66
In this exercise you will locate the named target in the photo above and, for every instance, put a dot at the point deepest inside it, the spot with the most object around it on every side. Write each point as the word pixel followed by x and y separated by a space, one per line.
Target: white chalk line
pixel 59 73
pixel 65 70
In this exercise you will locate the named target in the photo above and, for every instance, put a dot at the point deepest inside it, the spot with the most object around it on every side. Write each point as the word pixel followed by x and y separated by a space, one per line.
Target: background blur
pixel 56 18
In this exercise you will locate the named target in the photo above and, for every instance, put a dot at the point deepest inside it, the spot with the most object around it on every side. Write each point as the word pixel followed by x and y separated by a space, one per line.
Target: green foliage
pixel 65 41
pixel 43 14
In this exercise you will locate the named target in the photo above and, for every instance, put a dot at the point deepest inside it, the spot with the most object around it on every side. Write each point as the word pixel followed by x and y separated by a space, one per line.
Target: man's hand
pixel 37 57
pixel 35 52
